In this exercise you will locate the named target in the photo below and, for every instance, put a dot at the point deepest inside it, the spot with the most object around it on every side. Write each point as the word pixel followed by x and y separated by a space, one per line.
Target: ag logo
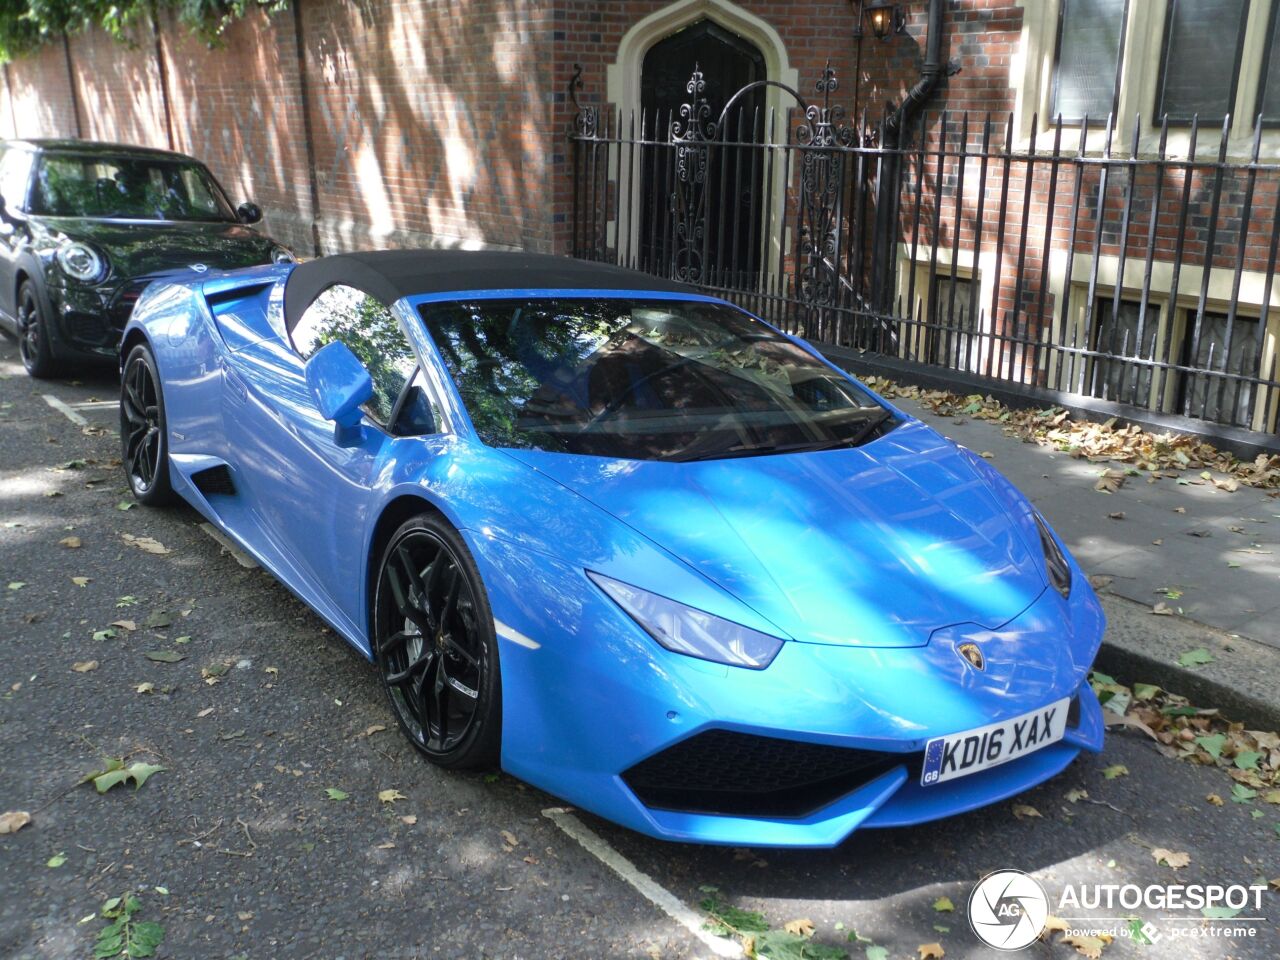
pixel 1008 910
pixel 971 653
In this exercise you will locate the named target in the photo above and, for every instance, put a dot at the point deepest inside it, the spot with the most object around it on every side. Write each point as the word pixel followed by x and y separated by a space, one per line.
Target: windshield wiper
pixel 807 446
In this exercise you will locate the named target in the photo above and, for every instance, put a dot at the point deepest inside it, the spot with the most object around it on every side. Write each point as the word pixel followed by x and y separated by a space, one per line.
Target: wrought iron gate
pixel 1079 269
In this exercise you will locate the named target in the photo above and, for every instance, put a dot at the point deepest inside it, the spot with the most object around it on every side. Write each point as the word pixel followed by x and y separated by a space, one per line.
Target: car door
pixel 311 497
pixel 15 175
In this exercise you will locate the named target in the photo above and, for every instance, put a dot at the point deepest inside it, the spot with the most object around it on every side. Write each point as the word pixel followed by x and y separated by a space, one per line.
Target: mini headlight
pixel 282 255
pixel 81 262
pixel 691 632
pixel 1054 559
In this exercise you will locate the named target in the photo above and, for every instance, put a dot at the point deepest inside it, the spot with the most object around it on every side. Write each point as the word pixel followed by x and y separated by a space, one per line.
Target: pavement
pixel 237 848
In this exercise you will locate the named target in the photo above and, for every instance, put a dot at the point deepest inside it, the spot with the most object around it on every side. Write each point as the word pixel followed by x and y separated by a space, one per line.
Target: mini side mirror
pixel 249 212
pixel 340 386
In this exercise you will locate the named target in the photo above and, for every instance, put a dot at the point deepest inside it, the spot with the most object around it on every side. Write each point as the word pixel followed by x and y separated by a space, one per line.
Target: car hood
pixel 876 546
pixel 137 248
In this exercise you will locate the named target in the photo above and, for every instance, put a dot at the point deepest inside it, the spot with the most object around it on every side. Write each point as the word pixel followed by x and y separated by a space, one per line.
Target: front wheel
pixel 144 437
pixel 33 334
pixel 435 647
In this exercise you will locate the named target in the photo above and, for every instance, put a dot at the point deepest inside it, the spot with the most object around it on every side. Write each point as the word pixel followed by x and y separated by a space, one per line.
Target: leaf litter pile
pixel 1157 455
pixel 1251 758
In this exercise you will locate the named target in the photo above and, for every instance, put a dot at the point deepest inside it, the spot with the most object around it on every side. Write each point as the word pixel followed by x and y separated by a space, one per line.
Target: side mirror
pixel 249 212
pixel 7 221
pixel 340 386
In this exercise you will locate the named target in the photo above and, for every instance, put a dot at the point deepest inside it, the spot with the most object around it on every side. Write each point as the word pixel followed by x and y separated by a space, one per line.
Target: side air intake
pixel 216 481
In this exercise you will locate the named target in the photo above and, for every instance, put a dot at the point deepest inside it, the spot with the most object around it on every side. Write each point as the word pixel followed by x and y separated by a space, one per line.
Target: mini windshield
pixel 645 380
pixel 127 188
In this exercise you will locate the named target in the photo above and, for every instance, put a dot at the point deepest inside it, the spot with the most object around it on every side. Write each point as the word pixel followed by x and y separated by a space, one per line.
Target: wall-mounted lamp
pixel 885 17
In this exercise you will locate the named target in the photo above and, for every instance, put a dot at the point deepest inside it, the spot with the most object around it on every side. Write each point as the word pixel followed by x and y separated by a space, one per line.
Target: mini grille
pixel 721 771
pixel 124 302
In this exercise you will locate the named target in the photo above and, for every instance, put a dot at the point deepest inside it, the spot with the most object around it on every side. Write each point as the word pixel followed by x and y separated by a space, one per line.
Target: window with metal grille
pixel 1200 64
pixel 1086 75
pixel 1124 335
pixel 1269 82
pixel 1226 347
pixel 952 324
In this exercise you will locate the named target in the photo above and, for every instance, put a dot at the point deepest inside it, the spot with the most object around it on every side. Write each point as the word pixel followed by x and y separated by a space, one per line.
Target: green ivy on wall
pixel 25 25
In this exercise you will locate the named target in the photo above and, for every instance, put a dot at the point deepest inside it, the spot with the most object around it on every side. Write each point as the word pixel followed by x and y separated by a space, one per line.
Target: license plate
pixel 961 754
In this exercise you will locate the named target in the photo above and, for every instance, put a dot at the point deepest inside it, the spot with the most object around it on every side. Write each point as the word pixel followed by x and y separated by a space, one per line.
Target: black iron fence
pixel 1140 273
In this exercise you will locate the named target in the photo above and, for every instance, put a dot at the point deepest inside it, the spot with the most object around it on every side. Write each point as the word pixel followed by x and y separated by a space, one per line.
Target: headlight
pixel 692 632
pixel 282 255
pixel 81 262
pixel 1054 559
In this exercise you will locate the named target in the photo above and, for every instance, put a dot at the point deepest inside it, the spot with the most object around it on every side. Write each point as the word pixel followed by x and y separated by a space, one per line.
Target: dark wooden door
pixel 733 193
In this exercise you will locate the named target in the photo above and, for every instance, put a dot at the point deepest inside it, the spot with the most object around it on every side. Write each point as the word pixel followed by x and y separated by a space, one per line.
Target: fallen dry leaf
pixel 146 544
pixel 13 821
pixel 1075 796
pixel 129 625
pixel 1214 799
pixel 391 796
pixel 71 543
pixel 1170 858
pixel 409 819
pixel 1025 811
pixel 1090 947
pixel 204 713
pixel 930 951
pixel 1110 481
pixel 510 838
pixel 81 581
pixel 370 730
pixel 1162 609
pixel 145 688
pixel 84 666
pixel 799 928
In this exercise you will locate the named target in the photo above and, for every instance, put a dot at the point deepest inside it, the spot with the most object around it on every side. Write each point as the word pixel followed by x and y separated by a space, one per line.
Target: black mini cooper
pixel 84 227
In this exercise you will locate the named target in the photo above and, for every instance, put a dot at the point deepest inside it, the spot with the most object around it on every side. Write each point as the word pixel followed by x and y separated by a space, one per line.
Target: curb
pixel 1142 647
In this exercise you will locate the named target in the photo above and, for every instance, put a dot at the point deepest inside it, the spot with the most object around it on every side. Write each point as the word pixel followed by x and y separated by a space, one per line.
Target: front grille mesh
pixel 721 771
pixel 123 304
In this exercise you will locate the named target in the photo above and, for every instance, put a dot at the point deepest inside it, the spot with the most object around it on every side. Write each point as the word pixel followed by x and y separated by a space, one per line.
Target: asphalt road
pixel 256 860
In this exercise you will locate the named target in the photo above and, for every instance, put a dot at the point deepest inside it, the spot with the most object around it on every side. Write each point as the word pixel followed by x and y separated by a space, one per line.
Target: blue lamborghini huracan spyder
pixel 628 541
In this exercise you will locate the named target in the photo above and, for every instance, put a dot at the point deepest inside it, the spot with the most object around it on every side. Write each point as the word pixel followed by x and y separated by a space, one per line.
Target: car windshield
pixel 127 188
pixel 644 380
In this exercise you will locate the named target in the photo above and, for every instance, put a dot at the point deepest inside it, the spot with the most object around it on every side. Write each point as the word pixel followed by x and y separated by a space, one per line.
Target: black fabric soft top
pixel 389 275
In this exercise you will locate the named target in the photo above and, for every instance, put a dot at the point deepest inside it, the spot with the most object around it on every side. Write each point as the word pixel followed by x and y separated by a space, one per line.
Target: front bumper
pixel 91 318
pixel 587 696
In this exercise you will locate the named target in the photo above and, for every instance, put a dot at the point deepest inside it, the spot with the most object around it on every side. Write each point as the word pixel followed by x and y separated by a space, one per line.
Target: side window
pixel 367 327
pixel 15 166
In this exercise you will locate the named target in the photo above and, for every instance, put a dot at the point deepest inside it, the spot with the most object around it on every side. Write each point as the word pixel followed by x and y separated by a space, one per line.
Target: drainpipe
pixel 883 261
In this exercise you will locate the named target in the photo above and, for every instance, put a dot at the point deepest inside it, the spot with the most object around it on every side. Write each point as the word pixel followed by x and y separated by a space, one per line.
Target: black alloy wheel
pixel 143 433
pixel 435 646
pixel 33 334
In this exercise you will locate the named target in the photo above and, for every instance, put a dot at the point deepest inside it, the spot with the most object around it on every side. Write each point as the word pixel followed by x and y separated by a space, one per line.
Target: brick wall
pixel 428 119
pixel 117 88
pixel 41 95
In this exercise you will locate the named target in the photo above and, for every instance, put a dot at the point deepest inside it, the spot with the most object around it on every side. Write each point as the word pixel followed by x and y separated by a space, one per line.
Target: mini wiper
pixel 808 446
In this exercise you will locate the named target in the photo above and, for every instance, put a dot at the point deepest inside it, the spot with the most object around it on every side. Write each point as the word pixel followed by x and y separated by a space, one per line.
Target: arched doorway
pixel 734 175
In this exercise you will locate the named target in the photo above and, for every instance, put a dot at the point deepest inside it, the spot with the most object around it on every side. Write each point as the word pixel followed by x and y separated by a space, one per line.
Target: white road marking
pixel 240 556
pixel 65 410
pixel 96 405
pixel 645 885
